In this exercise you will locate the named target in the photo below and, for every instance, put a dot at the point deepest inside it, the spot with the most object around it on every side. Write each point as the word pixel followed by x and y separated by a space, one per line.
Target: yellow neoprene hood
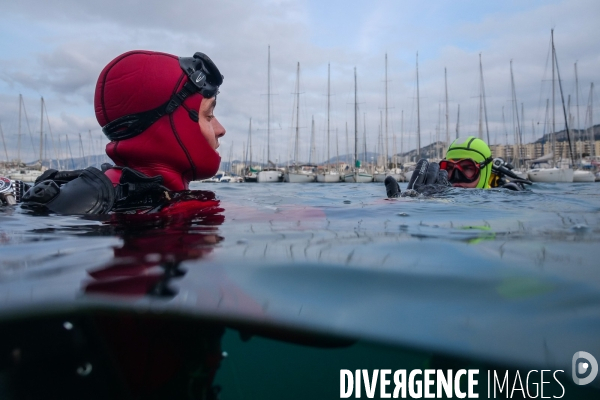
pixel 475 149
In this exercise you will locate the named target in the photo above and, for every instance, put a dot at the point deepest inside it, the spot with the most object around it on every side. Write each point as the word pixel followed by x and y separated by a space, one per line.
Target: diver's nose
pixel 219 129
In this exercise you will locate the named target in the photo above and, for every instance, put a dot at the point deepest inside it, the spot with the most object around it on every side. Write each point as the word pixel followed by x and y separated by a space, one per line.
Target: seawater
pixel 493 277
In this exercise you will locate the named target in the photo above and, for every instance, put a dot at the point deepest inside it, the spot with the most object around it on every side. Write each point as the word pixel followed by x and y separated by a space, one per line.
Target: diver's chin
pixel 459 184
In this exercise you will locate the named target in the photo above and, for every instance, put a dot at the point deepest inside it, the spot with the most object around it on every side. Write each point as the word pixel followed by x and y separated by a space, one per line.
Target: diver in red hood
pixel 158 112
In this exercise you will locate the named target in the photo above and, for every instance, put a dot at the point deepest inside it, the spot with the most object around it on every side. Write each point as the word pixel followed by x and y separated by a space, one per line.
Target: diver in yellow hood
pixel 468 164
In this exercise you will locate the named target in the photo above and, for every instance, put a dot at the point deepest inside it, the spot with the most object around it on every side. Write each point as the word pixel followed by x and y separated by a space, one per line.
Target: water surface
pixel 499 277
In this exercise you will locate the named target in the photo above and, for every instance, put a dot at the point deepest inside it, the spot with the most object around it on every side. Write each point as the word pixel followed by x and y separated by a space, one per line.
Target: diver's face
pixel 210 127
pixel 467 185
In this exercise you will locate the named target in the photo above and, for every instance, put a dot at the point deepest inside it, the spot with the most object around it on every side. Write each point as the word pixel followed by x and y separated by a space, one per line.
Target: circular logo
pixel 585 368
pixel 5 185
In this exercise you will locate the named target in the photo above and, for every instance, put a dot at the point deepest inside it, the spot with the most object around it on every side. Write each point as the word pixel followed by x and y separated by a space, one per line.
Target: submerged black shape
pixel 392 187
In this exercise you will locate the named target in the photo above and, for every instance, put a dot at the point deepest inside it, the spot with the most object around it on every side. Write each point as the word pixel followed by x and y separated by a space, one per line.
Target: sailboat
pixel 517 151
pixel 24 172
pixel 299 173
pixel 408 173
pixel 270 173
pixel 329 175
pixel 395 172
pixel 554 174
pixel 357 174
pixel 582 175
pixel 250 174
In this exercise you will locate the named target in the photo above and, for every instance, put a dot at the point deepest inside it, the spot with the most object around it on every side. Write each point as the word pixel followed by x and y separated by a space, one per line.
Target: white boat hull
pixel 299 178
pixel 521 174
pixel 583 176
pixel 26 176
pixel 380 177
pixel 358 177
pixel 408 175
pixel 267 176
pixel 329 177
pixel 551 175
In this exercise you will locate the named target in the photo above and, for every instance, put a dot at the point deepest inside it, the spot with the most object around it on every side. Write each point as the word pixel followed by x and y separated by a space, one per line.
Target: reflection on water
pixel 491 277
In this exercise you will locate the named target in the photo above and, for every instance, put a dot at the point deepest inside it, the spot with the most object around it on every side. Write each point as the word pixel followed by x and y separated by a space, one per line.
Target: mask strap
pixel 131 125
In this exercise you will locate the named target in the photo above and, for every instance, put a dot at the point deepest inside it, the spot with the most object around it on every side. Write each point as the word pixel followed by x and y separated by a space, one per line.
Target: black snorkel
pixel 501 167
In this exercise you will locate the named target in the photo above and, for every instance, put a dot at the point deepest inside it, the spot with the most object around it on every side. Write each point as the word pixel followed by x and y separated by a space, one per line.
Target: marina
pixel 299 200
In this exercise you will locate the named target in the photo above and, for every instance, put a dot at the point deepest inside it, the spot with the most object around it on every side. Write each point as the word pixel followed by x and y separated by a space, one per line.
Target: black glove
pixel 392 187
pixel 59 177
pixel 91 192
pixel 427 179
pixel 514 185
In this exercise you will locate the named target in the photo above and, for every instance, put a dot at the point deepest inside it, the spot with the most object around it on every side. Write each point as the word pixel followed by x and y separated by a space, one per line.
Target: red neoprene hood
pixel 173 146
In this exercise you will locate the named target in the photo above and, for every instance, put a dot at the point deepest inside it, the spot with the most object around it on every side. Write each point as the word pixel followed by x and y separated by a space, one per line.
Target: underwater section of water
pixel 308 279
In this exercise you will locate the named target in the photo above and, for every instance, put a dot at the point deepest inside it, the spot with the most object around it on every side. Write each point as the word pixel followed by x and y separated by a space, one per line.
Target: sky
pixel 56 50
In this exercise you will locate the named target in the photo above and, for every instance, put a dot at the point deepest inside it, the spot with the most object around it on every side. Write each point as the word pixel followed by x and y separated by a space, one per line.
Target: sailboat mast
pixel 562 98
pixel 4 143
pixel 328 109
pixel 577 105
pixel 437 132
pixel 592 135
pixel 312 142
pixel 394 151
pixel 485 117
pixel 81 152
pixel 347 145
pixel 481 99
pixel 380 149
pixel 230 156
pixel 522 128
pixel 41 129
pixel 546 118
pixel 571 121
pixel 516 125
pixel 402 132
pixel 297 112
pixel 355 122
pixel 505 131
pixel 458 121
pixel 447 120
pixel 365 137
pixel 553 106
pixel 386 115
pixel 337 149
pixel 91 148
pixel 268 105
pixel 418 114
pixel 19 132
pixel 249 148
pixel 70 152
pixel 59 147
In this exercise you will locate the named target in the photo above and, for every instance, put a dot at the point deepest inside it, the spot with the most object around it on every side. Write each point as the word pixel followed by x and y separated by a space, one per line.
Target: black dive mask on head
pixel 203 77
pixel 203 73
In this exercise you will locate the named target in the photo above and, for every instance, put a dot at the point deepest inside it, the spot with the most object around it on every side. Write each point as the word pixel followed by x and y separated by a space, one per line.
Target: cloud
pixel 57 49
